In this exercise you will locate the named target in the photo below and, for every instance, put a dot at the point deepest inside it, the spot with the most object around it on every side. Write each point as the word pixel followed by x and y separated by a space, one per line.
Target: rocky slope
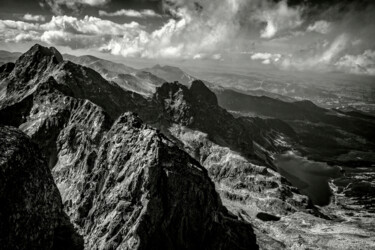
pixel 124 185
pixel 31 215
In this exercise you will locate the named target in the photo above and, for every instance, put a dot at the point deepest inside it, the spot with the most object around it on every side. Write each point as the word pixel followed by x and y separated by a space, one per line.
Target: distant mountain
pixel 100 64
pixel 6 56
pixel 126 77
pixel 171 74
pixel 319 129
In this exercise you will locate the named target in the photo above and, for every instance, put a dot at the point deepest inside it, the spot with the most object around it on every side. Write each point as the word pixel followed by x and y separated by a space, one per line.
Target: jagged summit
pixel 39 50
pixel 40 63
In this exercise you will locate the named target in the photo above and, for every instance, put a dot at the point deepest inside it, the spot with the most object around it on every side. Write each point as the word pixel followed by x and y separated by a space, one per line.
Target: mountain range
pixel 139 162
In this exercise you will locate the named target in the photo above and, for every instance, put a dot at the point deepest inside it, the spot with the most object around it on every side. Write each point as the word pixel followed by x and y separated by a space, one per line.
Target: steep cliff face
pixel 31 214
pixel 142 192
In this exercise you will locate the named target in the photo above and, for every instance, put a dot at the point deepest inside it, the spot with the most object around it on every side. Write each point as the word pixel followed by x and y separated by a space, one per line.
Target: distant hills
pixel 6 56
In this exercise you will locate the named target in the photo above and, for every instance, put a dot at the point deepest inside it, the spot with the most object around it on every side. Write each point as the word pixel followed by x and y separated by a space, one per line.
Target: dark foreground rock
pixel 31 214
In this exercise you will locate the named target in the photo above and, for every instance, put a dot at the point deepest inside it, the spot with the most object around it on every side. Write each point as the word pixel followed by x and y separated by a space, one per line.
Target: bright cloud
pixel 131 13
pixel 196 30
pixel 35 18
pixel 88 25
pixel 321 26
pixel 266 58
pixel 17 25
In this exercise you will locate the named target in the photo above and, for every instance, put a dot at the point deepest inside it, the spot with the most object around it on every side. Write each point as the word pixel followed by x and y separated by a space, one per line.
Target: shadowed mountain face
pixel 123 184
pixel 31 215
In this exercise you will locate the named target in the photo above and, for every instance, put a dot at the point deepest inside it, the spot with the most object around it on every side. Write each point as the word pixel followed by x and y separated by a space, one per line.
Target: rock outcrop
pixel 197 108
pixel 31 214
pixel 142 192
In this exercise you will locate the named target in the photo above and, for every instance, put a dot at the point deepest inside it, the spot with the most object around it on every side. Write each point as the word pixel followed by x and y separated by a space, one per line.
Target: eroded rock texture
pixel 31 214
pixel 145 193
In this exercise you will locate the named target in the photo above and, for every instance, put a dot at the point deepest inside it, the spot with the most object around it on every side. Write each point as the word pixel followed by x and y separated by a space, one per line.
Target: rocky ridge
pixel 123 185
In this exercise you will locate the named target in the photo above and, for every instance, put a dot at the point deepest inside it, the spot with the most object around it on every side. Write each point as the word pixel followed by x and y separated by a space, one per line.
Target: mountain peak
pixel 38 49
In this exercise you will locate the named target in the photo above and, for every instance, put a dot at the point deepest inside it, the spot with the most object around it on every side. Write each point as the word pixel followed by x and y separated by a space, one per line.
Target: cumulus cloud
pixel 17 25
pixel 88 32
pixel 320 26
pixel 24 37
pixel 130 13
pixel 266 58
pixel 358 64
pixel 200 31
pixel 195 29
pixel 88 25
pixel 35 18
pixel 191 33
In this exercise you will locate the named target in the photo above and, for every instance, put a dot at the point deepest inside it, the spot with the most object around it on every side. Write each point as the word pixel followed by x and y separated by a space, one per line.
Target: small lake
pixel 310 177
